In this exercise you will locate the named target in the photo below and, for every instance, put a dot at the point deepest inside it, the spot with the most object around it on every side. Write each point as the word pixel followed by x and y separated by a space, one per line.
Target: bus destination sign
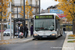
pixel 45 17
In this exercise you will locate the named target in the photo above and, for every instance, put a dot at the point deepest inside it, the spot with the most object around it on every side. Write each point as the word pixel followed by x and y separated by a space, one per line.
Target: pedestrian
pixel 18 30
pixel 26 31
pixel 21 28
pixel 31 30
pixel 64 31
pixel 21 31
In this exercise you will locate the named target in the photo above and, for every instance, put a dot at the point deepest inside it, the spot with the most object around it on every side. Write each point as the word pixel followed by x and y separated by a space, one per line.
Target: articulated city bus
pixel 47 25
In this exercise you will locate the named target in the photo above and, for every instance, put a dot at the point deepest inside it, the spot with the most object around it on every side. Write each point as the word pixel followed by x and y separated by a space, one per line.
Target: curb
pixel 64 48
pixel 64 43
pixel 27 40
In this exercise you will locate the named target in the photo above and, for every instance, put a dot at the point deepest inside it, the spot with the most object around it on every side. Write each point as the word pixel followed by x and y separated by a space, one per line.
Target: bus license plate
pixel 44 36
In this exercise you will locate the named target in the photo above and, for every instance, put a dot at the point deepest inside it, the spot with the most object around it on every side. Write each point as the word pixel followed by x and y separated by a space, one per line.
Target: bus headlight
pixel 53 34
pixel 35 34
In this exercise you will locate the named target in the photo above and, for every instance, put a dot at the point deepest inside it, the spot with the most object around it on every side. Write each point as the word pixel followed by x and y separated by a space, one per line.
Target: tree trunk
pixel 74 27
pixel 1 31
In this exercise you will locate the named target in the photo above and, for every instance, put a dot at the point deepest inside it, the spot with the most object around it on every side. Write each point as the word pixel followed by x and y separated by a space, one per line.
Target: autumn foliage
pixel 68 6
pixel 28 11
pixel 3 9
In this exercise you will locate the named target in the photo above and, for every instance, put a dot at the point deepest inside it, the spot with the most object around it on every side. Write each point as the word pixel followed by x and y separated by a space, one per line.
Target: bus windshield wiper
pixel 46 29
pixel 37 30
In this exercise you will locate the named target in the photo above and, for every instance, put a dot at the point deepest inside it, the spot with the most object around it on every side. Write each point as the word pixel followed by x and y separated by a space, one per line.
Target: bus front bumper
pixel 50 36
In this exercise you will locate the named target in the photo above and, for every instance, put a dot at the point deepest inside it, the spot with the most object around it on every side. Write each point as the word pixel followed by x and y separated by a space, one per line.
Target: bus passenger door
pixel 58 27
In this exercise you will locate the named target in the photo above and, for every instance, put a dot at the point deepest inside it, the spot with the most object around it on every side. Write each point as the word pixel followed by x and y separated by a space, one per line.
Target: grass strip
pixel 71 38
pixel 72 41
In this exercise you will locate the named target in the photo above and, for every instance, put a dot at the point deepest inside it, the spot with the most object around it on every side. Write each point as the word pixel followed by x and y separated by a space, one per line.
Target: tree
pixel 28 11
pixel 68 6
pixel 4 13
pixel 4 6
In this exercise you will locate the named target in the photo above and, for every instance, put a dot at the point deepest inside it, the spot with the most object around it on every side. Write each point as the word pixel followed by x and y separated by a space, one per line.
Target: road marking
pixel 51 41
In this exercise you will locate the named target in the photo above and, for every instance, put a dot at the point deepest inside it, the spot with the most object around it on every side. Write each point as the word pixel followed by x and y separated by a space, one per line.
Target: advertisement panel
pixel 56 11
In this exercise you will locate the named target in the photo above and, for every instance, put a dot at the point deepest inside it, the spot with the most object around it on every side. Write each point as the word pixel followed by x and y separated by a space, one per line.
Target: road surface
pixel 45 44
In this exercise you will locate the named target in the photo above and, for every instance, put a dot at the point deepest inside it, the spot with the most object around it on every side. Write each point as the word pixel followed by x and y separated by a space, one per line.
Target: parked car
pixel 7 32
pixel 2 30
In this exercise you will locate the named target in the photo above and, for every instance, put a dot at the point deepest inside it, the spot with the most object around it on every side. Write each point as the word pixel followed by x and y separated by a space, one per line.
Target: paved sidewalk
pixel 15 40
pixel 19 40
pixel 67 45
pixel 7 39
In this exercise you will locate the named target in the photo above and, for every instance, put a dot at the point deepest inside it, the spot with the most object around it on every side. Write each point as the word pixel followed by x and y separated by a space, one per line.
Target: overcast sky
pixel 46 3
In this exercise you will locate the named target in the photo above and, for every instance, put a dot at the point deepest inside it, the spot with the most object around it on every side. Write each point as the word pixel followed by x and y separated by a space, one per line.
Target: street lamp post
pixel 36 5
pixel 24 9
pixel 39 6
pixel 17 11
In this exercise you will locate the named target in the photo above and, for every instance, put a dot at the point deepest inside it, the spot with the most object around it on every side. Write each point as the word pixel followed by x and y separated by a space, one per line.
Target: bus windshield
pixel 44 24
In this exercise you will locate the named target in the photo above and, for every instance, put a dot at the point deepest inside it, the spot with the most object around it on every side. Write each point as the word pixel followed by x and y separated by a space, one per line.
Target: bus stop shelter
pixel 16 24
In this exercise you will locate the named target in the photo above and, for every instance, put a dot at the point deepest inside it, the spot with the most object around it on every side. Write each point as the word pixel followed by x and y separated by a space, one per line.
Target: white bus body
pixel 47 25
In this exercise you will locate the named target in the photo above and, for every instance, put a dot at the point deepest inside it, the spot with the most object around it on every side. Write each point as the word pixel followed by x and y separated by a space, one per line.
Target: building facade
pixel 16 7
pixel 54 9
pixel 44 11
pixel 35 5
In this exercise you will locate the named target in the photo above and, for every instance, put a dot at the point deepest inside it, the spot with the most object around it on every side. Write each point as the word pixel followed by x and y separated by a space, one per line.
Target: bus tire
pixel 56 37
pixel 61 35
pixel 38 38
pixel 34 38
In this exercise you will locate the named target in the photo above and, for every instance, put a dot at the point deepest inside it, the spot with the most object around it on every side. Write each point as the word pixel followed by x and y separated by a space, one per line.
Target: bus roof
pixel 48 14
